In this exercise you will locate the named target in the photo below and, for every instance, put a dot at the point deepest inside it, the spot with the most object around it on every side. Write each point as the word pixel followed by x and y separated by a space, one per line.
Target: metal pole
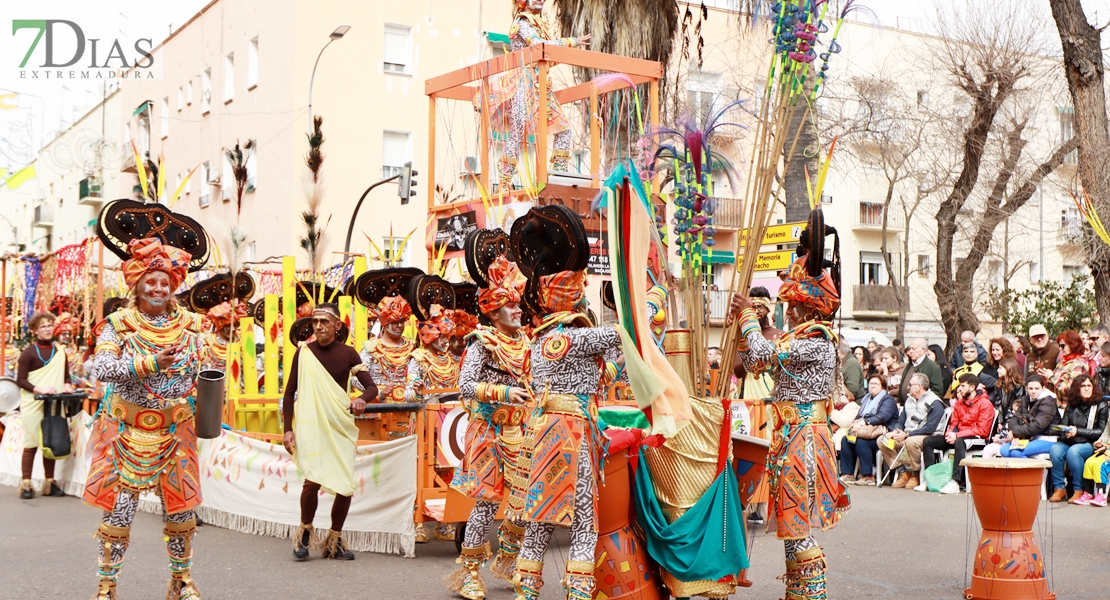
pixel 312 80
pixel 1040 225
pixel 354 215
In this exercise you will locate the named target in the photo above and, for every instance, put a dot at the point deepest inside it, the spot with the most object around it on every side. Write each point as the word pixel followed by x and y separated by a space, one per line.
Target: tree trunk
pixel 794 178
pixel 1085 72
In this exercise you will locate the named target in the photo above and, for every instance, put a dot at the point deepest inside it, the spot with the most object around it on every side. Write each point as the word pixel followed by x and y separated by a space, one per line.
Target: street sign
pixel 770 261
pixel 786 233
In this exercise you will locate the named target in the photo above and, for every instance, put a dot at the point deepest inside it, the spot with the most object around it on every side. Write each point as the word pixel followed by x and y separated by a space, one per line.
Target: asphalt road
pixel 892 544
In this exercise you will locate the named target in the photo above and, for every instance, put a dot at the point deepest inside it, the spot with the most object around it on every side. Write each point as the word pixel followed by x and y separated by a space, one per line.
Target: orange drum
pixel 750 457
pixel 623 568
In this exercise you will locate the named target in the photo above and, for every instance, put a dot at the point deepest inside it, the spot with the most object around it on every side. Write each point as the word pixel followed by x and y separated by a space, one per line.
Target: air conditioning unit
pixel 470 165
pixel 394 68
pixel 43 217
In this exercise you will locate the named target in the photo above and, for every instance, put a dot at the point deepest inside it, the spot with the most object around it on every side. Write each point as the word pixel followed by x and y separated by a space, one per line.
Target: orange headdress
pixel 392 309
pixel 506 284
pixel 438 325
pixel 223 314
pixel 65 322
pixel 150 254
pixel 563 291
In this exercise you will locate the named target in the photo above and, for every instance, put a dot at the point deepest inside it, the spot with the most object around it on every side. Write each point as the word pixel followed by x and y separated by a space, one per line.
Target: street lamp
pixel 335 35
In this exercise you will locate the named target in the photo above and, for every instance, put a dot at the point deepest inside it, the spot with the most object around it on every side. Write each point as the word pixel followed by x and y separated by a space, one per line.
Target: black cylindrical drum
pixel 210 403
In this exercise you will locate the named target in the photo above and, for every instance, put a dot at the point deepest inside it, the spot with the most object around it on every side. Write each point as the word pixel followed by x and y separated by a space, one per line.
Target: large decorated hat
pixel 426 290
pixel 608 297
pixel 548 240
pixel 123 221
pixel 483 246
pixel 373 286
pixel 812 280
pixel 218 289
pixel 466 297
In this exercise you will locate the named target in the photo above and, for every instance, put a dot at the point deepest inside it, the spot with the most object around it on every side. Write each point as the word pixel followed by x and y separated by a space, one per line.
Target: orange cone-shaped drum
pixel 622 569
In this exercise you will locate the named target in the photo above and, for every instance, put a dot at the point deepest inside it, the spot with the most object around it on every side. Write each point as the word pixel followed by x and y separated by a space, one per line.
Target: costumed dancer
pixel 562 449
pixel 42 369
pixel 221 318
pixel 320 430
pixel 516 92
pixel 491 386
pixel 388 356
pixel 223 302
pixel 805 492
pixel 149 354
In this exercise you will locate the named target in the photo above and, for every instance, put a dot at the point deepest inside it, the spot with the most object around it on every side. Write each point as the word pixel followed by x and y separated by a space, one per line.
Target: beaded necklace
pixel 152 334
pixel 439 369
pixel 513 354
pixel 393 360
pixel 53 349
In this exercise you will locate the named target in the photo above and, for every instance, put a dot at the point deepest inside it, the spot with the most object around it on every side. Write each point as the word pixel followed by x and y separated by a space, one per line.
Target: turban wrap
pixel 818 293
pixel 393 309
pixel 563 291
pixel 438 325
pixel 506 284
pixel 149 255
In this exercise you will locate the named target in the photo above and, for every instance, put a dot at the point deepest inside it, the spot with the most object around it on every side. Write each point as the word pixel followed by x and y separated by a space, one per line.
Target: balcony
pixel 89 192
pixel 877 299
pixel 43 217
pixel 1072 230
pixel 869 217
pixel 729 213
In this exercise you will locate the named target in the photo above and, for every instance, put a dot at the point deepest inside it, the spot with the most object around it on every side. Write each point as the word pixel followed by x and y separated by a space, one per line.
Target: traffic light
pixel 408 181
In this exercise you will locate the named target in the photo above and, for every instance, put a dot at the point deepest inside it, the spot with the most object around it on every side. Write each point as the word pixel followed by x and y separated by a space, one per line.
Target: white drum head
pixel 9 395
pixel 452 436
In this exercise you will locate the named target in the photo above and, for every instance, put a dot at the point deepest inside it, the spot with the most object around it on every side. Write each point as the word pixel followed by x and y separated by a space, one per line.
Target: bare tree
pixel 1085 72
pixel 989 59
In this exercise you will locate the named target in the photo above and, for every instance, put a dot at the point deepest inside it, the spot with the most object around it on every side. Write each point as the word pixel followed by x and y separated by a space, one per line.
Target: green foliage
pixel 1059 307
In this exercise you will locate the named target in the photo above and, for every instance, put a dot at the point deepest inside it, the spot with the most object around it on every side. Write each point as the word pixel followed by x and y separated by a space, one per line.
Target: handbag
pixel 861 429
pixel 56 442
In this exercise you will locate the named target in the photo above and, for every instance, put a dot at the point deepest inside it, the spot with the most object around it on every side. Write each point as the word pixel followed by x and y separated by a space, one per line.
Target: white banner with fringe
pixel 253 487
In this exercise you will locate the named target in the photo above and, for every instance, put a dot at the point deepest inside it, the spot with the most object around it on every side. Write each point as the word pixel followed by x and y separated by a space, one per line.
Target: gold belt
pixel 150 419
pixel 508 414
pixel 801 414
pixel 569 404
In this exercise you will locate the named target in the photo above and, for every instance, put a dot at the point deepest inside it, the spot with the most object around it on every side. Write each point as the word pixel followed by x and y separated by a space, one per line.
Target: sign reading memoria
pixel 770 261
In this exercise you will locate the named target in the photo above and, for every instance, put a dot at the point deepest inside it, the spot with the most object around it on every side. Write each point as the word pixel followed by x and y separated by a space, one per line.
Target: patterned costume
pixel 428 368
pixel 144 438
pixel 515 93
pixel 494 433
pixel 220 317
pixel 389 365
pixel 561 457
pixel 805 492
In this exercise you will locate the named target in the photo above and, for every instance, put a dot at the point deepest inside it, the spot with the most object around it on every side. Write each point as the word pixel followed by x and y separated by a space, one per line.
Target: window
pixel 204 186
pixel 826 198
pixel 1071 223
pixel 1074 271
pixel 180 98
pixel 995 276
pixel 206 91
pixel 398 49
pixel 713 273
pixel 924 264
pixel 252 252
pixel 922 100
pixel 871 214
pixel 702 90
pixel 165 117
pixel 396 151
pixel 397 252
pixel 252 64
pixel 1034 272
pixel 176 185
pixel 143 126
pixel 872 271
pixel 252 168
pixel 229 77
pixel 189 93
pixel 1066 116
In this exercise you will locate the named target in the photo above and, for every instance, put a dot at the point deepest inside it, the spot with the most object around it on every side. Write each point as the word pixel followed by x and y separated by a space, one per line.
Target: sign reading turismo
pixel 64 45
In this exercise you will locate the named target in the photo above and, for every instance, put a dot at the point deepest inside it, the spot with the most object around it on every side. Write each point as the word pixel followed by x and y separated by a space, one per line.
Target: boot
pixel 793 581
pixel 560 160
pixel 528 580
pixel 421 534
pixel 335 547
pixel 811 574
pixel 578 582
pixel 108 570
pixel 303 540
pixel 444 531
pixel 181 586
pixel 506 168
pixel 1058 495
pixel 26 490
pixel 466 581
pixel 903 478
pixel 50 488
pixel 912 482
pixel 509 537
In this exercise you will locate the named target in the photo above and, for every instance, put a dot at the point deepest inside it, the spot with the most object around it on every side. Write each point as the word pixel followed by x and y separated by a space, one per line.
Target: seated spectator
pixel 1072 362
pixel 921 417
pixel 1100 334
pixel 844 412
pixel 1096 470
pixel 936 354
pixel 1043 352
pixel 1035 413
pixel 1007 394
pixel 985 374
pixel 878 408
pixel 998 349
pixel 967 337
pixel 972 415
pixel 863 356
pixel 873 347
pixel 1102 370
pixel 1083 422
pixel 1019 350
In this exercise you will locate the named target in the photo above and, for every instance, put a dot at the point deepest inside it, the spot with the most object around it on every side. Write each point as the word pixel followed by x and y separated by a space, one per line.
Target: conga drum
pixel 1008 563
pixel 623 569
pixel 749 455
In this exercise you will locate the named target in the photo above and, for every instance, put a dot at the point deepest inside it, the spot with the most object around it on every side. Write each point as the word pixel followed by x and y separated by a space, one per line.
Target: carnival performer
pixel 805 493
pixel 144 438
pixel 221 319
pixel 491 386
pixel 431 366
pixel 465 324
pixel 561 456
pixel 387 356
pixel 320 430
pixel 64 330
pixel 516 93
pixel 42 369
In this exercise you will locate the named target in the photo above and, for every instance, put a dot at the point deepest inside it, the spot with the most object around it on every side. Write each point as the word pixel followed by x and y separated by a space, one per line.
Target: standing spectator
pixel 984 374
pixel 863 356
pixel 1019 350
pixel 1085 337
pixel 920 417
pixel 891 367
pixel 937 355
pixel 877 408
pixel 873 347
pixel 967 337
pixel 1083 422
pixel 713 357
pixel 1100 334
pixel 919 362
pixel 972 415
pixel 1102 371
pixel 999 348
pixel 1072 362
pixel 1043 352
pixel 852 371
pixel 1034 415
pixel 897 343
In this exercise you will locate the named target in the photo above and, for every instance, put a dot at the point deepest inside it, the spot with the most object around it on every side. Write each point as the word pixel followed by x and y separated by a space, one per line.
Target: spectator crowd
pixel 1026 397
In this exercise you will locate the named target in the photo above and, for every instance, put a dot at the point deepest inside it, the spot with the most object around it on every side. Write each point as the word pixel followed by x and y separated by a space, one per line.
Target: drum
pixel 9 395
pixel 750 457
pixel 451 440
